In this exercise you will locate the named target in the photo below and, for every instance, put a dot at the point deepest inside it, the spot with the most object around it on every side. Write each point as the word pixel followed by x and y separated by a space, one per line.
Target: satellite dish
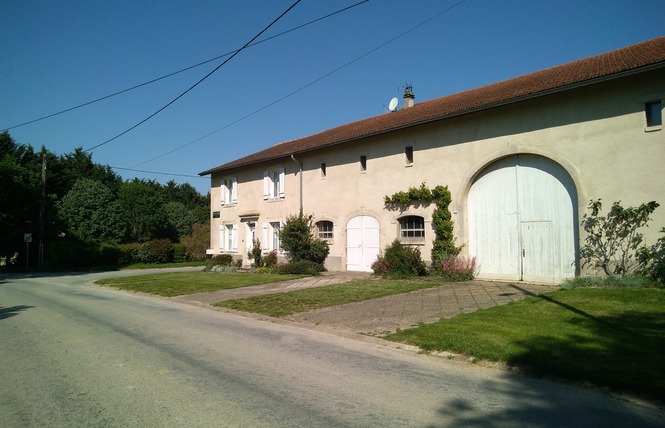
pixel 393 104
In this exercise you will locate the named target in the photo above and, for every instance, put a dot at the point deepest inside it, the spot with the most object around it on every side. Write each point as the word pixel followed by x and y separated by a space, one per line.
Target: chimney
pixel 408 97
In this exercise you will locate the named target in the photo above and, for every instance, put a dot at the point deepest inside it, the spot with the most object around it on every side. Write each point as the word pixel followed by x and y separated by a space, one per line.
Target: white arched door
pixel 362 243
pixel 522 220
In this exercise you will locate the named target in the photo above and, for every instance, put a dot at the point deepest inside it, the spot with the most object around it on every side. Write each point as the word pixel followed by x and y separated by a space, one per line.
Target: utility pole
pixel 42 212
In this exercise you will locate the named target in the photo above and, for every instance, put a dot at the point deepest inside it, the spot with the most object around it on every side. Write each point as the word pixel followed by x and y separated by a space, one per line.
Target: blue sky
pixel 60 54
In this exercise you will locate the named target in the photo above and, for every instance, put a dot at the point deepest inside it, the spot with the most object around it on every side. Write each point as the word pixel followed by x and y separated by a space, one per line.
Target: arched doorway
pixel 522 220
pixel 362 243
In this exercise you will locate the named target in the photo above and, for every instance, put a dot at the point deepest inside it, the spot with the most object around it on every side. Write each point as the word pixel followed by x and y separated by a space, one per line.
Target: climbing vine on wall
pixel 444 240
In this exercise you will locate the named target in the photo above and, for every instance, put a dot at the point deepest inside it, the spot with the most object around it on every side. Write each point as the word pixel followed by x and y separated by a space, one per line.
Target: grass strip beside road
pixel 608 337
pixel 283 304
pixel 181 283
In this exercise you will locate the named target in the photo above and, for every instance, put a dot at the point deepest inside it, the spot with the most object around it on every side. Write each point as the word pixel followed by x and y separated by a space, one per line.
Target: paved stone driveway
pixel 386 314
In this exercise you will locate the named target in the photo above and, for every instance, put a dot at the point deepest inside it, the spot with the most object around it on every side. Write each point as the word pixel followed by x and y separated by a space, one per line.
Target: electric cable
pixel 307 85
pixel 197 83
pixel 155 172
pixel 87 103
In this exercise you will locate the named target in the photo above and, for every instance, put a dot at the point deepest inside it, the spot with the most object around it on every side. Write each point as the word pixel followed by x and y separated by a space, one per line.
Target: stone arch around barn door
pixel 522 220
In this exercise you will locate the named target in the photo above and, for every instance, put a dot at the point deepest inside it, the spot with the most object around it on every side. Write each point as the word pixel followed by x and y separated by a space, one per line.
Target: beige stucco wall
pixel 596 133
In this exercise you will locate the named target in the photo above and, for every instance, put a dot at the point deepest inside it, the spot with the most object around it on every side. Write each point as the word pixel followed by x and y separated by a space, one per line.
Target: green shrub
pixel 156 251
pixel 70 253
pixel 129 253
pixel 256 254
pixel 297 239
pixel 179 253
pixel 400 261
pixel 109 255
pixel 457 268
pixel 222 260
pixel 652 260
pixel 301 267
pixel 270 259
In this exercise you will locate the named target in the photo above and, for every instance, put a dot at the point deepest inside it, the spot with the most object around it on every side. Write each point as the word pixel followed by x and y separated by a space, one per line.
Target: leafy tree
pixel 297 238
pixel 143 210
pixel 20 192
pixel 612 241
pixel 180 218
pixel 91 213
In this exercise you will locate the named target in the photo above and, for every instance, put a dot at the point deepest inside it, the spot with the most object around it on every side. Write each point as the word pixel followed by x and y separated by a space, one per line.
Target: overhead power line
pixel 166 76
pixel 197 83
pixel 158 173
pixel 415 27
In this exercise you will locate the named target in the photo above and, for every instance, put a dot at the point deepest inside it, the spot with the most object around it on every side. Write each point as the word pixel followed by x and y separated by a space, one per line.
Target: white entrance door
pixel 521 220
pixel 362 243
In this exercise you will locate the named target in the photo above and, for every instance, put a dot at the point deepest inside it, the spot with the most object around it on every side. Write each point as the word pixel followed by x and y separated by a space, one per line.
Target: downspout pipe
pixel 300 165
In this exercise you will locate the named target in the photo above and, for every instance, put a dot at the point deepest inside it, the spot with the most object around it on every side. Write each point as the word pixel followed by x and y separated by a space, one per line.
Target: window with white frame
pixel 270 237
pixel 325 229
pixel 412 226
pixel 228 239
pixel 273 183
pixel 229 194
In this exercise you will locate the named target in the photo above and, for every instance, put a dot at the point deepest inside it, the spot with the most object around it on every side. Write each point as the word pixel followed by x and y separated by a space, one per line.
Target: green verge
pixel 283 304
pixel 180 283
pixel 609 337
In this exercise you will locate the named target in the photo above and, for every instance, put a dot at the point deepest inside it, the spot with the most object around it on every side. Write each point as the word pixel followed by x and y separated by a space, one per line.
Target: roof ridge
pixel 559 77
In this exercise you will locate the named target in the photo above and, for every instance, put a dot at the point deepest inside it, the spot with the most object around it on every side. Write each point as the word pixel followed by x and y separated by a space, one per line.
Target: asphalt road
pixel 76 355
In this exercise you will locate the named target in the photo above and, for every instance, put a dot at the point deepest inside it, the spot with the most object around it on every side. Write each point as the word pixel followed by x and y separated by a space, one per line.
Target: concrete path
pixel 387 314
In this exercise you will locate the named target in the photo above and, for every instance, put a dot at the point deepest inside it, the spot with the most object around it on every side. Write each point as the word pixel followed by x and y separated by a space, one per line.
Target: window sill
pixel 653 128
pixel 412 241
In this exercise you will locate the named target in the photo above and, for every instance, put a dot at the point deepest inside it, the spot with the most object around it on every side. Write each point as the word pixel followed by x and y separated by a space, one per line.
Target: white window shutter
pixel 221 238
pixel 234 190
pixel 223 193
pixel 234 238
pixel 264 238
pixel 281 182
pixel 266 185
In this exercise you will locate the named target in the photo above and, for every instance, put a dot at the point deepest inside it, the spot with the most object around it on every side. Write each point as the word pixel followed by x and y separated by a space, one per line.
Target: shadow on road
pixel 11 311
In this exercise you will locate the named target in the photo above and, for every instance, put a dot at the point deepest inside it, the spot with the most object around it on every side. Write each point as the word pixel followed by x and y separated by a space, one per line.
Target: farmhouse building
pixel 522 159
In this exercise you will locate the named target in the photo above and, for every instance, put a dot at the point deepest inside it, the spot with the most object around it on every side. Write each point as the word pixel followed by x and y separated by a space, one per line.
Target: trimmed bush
pixel 222 260
pixel 458 268
pixel 70 253
pixel 400 261
pixel 301 267
pixel 129 253
pixel 156 251
pixel 179 253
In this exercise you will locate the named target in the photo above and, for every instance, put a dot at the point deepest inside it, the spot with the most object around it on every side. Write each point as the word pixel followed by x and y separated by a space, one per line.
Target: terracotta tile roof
pixel 604 66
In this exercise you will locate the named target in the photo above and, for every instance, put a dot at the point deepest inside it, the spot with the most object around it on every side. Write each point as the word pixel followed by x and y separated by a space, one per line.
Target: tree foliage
pixel 612 241
pixel 86 202
pixel 91 213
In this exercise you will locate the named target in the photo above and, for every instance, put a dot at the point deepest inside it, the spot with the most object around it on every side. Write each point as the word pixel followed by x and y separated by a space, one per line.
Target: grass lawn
pixel 282 304
pixel 180 283
pixel 608 337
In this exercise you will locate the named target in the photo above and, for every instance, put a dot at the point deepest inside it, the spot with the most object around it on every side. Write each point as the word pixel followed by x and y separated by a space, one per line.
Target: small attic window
pixel 323 170
pixel 363 163
pixel 653 112
pixel 408 153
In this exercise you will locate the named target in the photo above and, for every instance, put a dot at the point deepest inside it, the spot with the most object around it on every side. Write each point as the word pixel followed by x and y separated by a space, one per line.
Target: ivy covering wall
pixel 444 241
